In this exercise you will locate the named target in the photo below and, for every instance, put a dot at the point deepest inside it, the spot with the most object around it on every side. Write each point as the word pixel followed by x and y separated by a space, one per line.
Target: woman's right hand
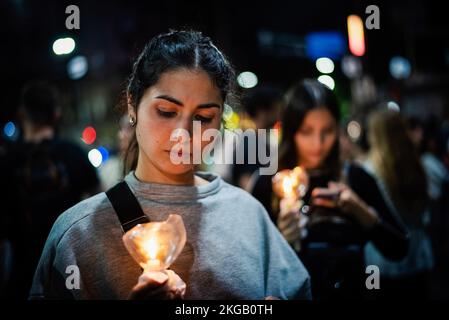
pixel 289 223
pixel 158 285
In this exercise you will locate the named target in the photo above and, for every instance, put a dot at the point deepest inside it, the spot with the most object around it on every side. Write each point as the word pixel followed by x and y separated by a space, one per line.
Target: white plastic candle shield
pixel 156 245
pixel 290 186
pixel 290 183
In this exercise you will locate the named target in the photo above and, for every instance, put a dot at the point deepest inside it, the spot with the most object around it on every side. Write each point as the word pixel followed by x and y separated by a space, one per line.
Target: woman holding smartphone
pixel 342 208
pixel 233 251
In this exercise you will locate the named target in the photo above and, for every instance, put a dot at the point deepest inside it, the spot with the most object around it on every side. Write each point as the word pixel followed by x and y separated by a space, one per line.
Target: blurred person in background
pixel 342 209
pixel 6 257
pixel 432 155
pixel 429 137
pixel 263 107
pixel 44 176
pixel 395 164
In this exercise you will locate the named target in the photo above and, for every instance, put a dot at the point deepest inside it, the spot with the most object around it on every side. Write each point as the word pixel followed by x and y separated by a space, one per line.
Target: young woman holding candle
pixel 233 251
pixel 342 208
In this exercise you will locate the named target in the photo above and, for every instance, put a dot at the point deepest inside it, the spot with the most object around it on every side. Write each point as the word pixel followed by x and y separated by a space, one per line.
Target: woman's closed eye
pixel 204 119
pixel 305 132
pixel 171 114
pixel 328 131
pixel 166 114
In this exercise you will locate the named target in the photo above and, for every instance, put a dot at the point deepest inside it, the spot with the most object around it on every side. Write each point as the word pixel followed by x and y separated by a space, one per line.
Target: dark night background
pixel 112 33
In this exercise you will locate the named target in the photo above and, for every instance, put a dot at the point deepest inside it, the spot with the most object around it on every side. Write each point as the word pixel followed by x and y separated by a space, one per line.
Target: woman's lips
pixel 315 155
pixel 180 153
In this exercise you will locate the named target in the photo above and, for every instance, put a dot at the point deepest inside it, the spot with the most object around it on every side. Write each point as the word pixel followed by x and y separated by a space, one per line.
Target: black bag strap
pixel 126 206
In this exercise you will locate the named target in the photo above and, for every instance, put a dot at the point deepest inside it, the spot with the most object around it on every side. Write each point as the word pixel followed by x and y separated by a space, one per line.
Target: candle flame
pixel 288 184
pixel 151 247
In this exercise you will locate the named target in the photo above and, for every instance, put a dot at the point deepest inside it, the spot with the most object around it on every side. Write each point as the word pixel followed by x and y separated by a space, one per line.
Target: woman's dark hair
pixel 300 99
pixel 171 51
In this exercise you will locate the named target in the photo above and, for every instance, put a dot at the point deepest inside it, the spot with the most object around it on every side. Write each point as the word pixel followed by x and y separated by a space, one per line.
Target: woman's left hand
pixel 347 200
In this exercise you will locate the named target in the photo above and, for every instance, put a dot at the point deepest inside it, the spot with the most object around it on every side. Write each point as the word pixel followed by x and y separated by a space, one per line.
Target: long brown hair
pixel 397 161
pixel 303 97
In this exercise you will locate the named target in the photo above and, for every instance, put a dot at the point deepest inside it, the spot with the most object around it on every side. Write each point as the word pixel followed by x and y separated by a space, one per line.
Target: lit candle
pixel 156 245
pixel 151 249
pixel 290 184
pixel 290 187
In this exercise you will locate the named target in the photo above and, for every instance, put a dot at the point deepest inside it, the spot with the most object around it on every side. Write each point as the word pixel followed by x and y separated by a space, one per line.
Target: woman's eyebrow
pixel 209 105
pixel 170 99
pixel 179 103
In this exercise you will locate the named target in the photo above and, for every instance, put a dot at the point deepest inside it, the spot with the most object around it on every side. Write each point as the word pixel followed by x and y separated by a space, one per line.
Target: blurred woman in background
pixel 395 164
pixel 342 209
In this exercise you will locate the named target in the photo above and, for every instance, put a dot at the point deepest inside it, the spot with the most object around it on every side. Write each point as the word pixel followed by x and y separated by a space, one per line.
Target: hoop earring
pixel 132 122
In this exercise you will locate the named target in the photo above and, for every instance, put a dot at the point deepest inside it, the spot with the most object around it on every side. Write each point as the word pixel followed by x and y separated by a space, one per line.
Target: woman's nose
pixel 318 140
pixel 186 124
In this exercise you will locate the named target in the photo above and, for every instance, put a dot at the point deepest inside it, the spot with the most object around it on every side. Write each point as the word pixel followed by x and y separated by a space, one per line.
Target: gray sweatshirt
pixel 233 250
